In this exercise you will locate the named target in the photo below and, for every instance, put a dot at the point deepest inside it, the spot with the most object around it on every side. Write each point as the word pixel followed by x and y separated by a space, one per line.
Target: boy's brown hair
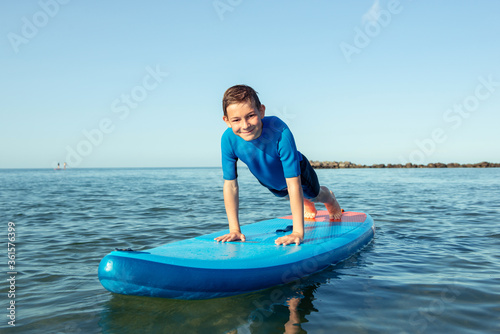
pixel 240 94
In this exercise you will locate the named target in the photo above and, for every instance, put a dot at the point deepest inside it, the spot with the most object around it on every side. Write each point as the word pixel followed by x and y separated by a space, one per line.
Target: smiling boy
pixel 266 145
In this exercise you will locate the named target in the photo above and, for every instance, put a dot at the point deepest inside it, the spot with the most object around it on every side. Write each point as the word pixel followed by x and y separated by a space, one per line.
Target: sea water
pixel 433 266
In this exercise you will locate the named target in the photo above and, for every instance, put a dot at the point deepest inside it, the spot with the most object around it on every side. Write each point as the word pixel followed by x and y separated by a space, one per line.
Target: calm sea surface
pixel 433 267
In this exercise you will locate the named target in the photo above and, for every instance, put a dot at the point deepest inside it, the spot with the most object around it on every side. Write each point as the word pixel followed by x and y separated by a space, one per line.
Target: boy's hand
pixel 233 236
pixel 294 238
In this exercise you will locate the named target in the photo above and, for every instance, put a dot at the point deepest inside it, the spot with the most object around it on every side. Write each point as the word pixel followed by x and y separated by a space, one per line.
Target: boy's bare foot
pixel 333 208
pixel 309 210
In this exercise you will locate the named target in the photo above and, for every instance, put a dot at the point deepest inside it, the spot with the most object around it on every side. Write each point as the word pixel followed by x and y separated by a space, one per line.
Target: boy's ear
pixel 225 119
pixel 262 111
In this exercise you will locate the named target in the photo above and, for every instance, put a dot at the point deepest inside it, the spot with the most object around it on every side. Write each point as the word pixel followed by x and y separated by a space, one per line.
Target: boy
pixel 267 147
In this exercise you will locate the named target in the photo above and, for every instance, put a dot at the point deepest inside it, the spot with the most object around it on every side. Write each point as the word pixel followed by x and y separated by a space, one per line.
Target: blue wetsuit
pixel 271 158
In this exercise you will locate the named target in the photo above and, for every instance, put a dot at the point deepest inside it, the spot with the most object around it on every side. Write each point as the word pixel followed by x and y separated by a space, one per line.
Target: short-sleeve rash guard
pixel 271 158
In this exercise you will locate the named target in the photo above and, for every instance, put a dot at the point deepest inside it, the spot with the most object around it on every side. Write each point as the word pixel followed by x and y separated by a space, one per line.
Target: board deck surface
pixel 201 268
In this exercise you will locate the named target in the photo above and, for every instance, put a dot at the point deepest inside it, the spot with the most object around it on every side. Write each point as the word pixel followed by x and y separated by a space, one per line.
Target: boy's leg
pixel 309 209
pixel 328 198
pixel 313 192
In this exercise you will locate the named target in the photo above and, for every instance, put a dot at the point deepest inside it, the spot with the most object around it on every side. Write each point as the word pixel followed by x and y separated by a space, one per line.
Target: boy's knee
pixel 323 194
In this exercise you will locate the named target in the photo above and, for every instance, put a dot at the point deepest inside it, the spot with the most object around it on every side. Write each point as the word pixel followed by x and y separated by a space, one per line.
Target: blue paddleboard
pixel 201 268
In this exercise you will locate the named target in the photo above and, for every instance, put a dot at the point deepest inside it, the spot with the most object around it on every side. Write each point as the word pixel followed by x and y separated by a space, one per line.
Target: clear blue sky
pixel 139 83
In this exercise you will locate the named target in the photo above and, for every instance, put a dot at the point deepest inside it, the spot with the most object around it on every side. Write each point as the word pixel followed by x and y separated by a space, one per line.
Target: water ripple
pixel 433 266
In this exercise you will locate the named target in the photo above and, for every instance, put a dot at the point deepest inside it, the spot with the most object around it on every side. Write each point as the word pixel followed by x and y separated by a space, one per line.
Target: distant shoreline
pixel 348 164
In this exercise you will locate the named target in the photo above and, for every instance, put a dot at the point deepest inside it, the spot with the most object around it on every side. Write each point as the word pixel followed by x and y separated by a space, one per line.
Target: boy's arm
pixel 231 202
pixel 297 205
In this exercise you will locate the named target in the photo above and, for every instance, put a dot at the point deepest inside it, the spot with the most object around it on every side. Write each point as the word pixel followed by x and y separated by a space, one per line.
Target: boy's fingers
pixel 230 237
pixel 281 241
pixel 221 238
pixel 287 240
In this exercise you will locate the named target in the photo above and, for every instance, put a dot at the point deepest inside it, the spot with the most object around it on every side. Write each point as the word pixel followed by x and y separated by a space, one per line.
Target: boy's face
pixel 245 120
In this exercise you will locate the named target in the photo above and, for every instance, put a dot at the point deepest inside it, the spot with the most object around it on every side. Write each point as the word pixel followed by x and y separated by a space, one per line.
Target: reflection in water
pixel 281 309
pixel 275 310
pixel 281 316
pixel 293 324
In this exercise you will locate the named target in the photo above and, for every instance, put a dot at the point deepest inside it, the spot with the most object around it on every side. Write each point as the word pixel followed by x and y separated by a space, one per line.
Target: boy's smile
pixel 245 120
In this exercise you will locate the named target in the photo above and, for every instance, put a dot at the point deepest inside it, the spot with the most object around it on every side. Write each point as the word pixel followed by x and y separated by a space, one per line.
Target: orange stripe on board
pixel 347 217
